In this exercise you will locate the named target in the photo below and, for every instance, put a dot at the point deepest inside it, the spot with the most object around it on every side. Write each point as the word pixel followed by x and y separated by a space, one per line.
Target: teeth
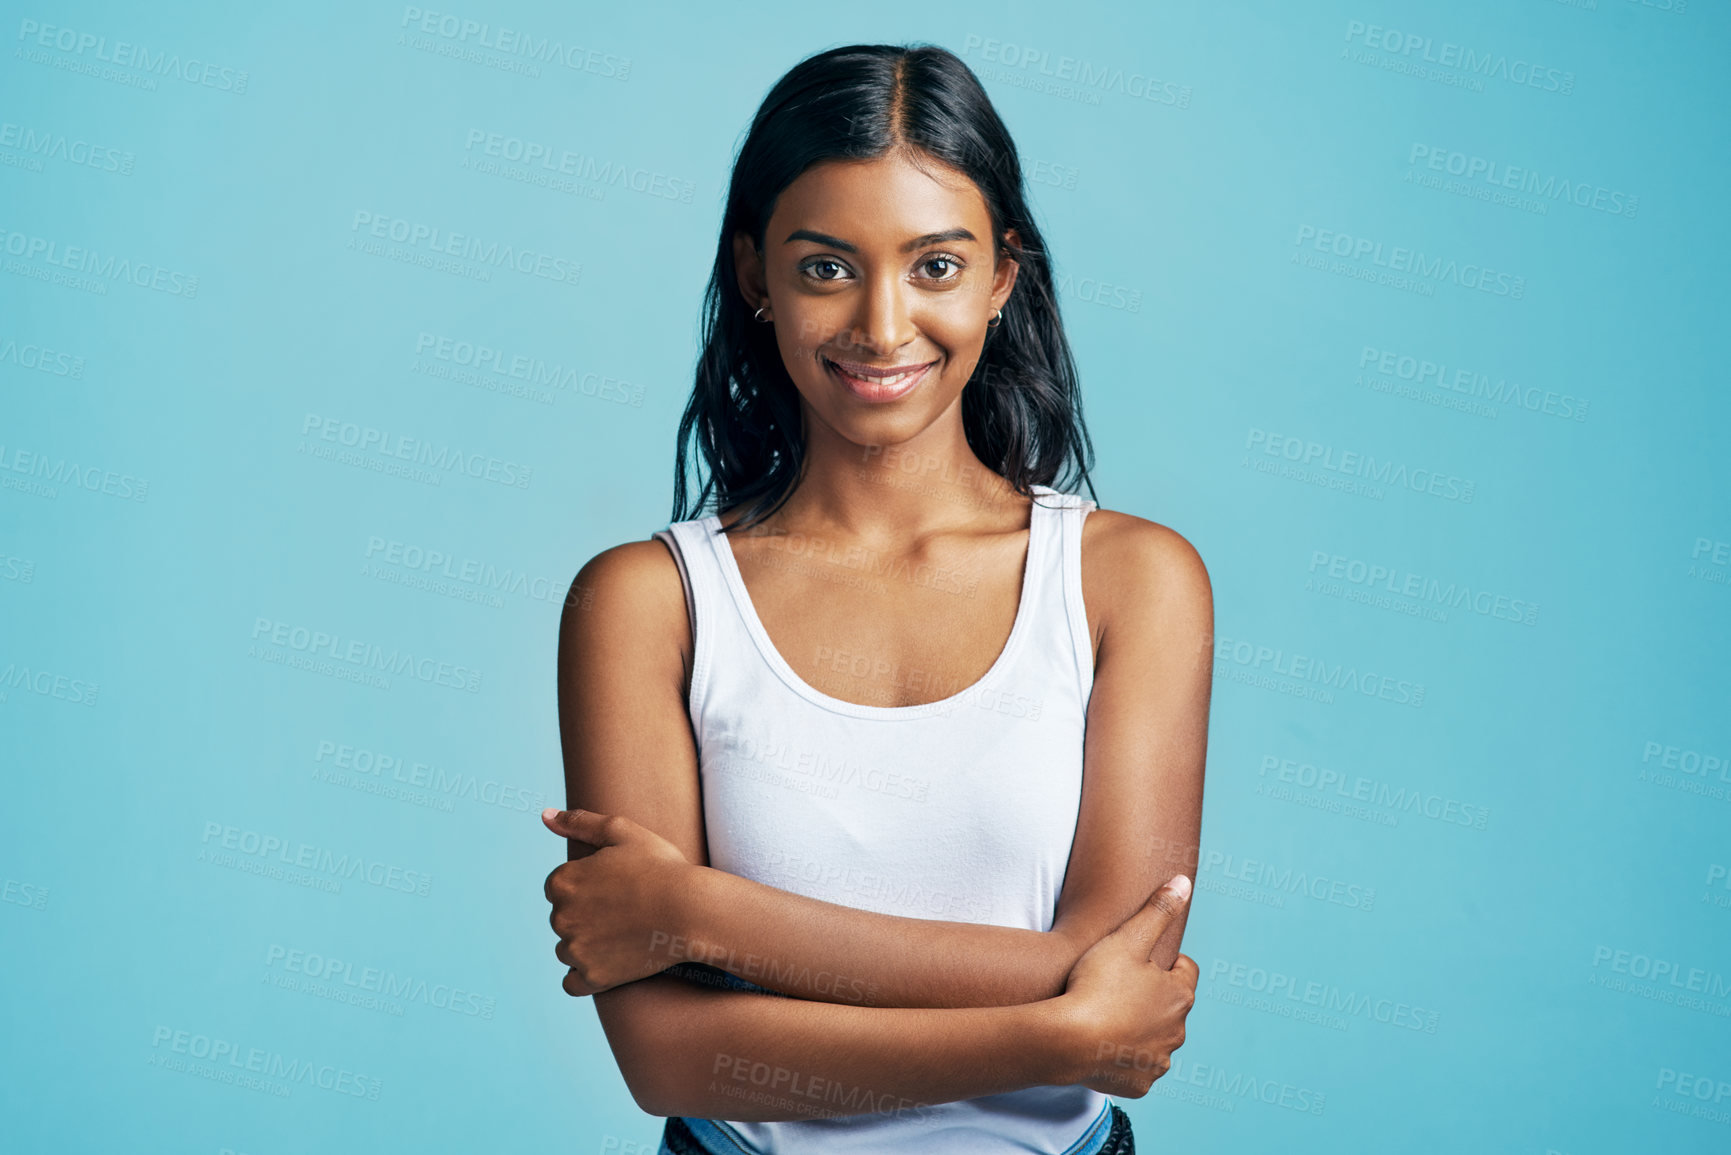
pixel 896 380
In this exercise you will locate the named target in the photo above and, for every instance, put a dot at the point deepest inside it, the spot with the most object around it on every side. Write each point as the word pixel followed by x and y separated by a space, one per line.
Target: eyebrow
pixel 916 243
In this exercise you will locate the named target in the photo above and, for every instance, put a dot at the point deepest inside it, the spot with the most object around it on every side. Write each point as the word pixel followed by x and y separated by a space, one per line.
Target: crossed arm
pixel 981 1000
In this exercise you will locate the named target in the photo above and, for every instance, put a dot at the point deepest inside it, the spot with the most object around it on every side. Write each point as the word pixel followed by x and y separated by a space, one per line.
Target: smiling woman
pixel 869 861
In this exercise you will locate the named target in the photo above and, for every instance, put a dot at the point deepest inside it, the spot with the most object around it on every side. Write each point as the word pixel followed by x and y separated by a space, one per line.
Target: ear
pixel 748 267
pixel 1005 269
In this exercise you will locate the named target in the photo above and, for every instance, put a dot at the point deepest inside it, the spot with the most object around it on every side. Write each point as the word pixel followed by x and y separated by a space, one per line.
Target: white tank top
pixel 961 809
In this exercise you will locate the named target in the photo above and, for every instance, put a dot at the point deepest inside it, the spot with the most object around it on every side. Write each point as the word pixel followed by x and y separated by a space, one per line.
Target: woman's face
pixel 880 278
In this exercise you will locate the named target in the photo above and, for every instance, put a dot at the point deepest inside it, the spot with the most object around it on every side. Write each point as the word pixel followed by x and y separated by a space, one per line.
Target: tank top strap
pixel 1067 511
pixel 705 595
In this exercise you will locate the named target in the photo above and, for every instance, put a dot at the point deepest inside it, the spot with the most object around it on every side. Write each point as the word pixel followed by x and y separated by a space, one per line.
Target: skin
pixel 955 1010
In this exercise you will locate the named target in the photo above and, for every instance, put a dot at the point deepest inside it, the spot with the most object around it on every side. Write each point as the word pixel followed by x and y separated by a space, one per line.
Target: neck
pixel 895 495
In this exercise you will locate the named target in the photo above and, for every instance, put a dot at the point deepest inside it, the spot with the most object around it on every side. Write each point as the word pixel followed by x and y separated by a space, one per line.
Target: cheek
pixel 959 315
pixel 801 332
pixel 959 337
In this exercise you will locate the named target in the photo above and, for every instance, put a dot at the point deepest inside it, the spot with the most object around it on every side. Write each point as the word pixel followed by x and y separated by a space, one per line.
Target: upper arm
pixel 625 734
pixel 1151 609
pixel 624 730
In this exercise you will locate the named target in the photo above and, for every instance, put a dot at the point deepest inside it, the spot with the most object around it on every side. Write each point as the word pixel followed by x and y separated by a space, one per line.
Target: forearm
pixel 706 1053
pixel 825 951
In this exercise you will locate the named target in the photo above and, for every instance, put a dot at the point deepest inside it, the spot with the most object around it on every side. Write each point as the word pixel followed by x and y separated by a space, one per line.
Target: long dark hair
pixel 1021 409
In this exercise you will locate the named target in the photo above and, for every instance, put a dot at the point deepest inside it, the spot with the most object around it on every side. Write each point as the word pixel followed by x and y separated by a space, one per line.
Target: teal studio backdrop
pixel 1411 317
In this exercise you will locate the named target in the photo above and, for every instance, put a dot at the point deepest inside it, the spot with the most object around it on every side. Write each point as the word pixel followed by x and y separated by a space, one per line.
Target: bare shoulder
pixel 624 732
pixel 1144 576
pixel 627 605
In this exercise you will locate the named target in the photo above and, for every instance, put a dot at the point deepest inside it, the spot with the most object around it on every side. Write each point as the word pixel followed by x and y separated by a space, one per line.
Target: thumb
pixel 583 825
pixel 1145 927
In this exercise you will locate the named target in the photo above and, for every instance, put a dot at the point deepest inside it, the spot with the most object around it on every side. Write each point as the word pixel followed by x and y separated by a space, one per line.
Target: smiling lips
pixel 877 383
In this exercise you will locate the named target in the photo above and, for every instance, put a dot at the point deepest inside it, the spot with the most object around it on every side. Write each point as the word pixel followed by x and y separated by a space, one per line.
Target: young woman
pixel 883 764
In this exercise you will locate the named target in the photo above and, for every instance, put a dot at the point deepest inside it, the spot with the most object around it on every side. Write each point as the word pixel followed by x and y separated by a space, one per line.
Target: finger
pixel 583 825
pixel 556 881
pixel 1185 968
pixel 1146 926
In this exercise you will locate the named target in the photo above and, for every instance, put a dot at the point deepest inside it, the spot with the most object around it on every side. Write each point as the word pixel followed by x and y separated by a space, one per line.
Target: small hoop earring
pixel 997 317
pixel 758 316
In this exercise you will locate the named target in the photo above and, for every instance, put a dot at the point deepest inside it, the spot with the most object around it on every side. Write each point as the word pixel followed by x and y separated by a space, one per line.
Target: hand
pixel 616 906
pixel 1128 1011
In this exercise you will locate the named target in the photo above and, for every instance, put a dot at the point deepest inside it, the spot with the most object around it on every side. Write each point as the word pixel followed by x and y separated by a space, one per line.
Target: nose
pixel 884 320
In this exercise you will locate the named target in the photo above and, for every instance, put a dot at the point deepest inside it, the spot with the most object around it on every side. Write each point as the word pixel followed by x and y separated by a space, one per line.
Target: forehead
pixel 880 200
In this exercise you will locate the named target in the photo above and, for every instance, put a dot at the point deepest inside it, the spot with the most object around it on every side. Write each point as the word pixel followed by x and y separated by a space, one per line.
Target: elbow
pixel 659 1088
pixel 649 1099
pixel 649 1092
pixel 650 1088
pixel 632 1022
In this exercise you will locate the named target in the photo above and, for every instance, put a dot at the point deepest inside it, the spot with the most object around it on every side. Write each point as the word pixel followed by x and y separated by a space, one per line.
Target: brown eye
pixel 821 263
pixel 951 262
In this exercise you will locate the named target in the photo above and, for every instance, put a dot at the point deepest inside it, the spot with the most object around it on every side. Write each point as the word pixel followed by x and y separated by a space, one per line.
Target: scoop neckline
pixel 1037 529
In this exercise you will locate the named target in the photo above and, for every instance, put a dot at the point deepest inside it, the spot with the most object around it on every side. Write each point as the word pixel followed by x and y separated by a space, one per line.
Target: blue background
pixel 1486 909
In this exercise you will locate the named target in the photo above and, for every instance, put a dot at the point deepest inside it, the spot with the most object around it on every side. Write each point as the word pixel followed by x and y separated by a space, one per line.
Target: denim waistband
pixel 1108 1134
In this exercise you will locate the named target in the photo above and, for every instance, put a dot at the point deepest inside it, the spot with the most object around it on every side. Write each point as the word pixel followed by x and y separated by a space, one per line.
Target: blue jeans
pixel 700 1137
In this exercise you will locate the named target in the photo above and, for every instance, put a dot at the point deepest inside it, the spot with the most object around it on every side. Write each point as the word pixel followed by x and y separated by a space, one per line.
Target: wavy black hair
pixel 1021 409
